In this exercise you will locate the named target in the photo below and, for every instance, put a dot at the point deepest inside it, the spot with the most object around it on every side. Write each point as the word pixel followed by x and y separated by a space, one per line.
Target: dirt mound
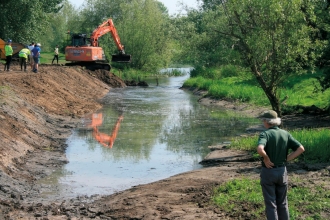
pixel 110 79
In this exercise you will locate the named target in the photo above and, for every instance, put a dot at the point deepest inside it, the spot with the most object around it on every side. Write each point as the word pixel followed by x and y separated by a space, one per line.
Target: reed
pixel 173 72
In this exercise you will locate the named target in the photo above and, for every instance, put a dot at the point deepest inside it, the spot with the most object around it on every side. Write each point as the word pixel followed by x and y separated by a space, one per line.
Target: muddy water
pixel 164 132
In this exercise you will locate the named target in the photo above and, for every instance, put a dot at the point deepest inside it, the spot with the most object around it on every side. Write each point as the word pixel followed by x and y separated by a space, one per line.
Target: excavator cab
pixel 78 40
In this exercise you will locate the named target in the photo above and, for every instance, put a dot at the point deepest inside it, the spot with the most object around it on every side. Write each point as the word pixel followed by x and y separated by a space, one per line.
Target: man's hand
pixel 261 151
pixel 296 153
pixel 268 163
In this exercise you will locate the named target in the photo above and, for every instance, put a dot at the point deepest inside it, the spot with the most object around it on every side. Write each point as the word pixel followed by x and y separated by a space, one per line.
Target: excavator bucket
pixel 121 58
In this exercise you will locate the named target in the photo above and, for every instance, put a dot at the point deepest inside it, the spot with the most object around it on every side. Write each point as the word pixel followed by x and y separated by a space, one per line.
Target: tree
pixel 59 24
pixel 271 37
pixel 211 4
pixel 318 18
pixel 144 31
pixel 28 23
pixel 199 45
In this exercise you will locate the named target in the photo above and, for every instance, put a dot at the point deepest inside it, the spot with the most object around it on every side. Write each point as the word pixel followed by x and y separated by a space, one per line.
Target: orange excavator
pixel 86 52
pixel 103 138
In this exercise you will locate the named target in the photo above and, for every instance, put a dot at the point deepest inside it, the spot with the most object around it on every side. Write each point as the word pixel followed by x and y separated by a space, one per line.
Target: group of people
pixel 30 53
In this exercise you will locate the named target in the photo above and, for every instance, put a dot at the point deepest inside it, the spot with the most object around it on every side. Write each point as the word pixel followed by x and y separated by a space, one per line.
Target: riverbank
pixel 38 112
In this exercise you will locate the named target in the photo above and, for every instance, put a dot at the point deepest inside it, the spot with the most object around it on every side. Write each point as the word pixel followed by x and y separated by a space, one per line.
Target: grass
pixel 301 90
pixel 241 196
pixel 47 57
pixel 315 141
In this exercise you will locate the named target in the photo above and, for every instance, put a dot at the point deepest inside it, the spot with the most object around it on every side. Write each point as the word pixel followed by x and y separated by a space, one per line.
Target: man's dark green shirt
pixel 277 142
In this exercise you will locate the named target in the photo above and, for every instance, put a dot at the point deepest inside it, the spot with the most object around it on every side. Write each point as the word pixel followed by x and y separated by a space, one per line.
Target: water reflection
pixel 165 132
pixel 105 139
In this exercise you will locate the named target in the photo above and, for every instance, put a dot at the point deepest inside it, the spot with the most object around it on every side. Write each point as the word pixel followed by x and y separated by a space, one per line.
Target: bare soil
pixel 39 111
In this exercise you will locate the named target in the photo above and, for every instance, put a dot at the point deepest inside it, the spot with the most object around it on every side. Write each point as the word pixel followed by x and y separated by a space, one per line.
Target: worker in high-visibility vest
pixel 23 56
pixel 9 53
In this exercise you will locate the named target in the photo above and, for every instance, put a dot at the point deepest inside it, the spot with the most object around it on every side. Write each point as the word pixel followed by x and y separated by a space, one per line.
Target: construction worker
pixel 9 54
pixel 36 57
pixel 23 56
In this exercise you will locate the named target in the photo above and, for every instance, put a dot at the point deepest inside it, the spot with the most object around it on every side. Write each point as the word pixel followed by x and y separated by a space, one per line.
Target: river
pixel 164 131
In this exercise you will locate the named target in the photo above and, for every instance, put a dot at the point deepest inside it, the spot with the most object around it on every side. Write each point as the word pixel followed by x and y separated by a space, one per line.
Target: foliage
pixel 173 72
pixel 29 23
pixel 319 19
pixel 200 46
pixel 239 196
pixel 271 38
pixel 297 92
pixel 324 80
pixel 211 4
pixel 218 72
pixel 56 33
pixel 144 31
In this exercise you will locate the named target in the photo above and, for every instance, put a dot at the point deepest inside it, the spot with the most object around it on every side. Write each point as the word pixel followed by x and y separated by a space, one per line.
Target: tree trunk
pixel 275 102
pixel 269 91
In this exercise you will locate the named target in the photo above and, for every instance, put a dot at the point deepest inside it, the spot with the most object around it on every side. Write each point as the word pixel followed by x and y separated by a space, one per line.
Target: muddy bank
pixel 37 114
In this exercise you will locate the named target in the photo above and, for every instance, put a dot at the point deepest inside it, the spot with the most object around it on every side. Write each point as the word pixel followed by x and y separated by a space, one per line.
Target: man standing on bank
pixel 273 146
pixel 36 57
pixel 55 54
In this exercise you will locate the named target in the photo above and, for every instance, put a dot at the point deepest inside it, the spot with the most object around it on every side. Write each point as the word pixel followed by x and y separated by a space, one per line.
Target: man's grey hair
pixel 273 121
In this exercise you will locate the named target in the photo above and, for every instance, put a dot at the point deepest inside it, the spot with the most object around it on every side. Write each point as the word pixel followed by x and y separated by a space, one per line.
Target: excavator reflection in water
pixel 103 138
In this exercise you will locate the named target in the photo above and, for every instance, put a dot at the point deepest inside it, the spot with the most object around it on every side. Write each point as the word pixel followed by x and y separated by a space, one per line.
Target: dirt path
pixel 37 114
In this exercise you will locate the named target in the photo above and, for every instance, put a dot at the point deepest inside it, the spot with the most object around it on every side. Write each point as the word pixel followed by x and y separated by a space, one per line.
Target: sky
pixel 172 5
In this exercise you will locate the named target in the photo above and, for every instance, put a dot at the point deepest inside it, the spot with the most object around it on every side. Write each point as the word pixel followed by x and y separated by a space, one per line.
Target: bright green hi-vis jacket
pixel 8 50
pixel 24 53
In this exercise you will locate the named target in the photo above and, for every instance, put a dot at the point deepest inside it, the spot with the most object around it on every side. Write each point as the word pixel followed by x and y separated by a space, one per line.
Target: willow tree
pixel 144 32
pixel 271 37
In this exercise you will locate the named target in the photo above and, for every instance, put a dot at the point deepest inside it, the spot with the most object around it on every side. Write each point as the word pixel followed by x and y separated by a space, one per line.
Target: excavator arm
pixel 105 28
